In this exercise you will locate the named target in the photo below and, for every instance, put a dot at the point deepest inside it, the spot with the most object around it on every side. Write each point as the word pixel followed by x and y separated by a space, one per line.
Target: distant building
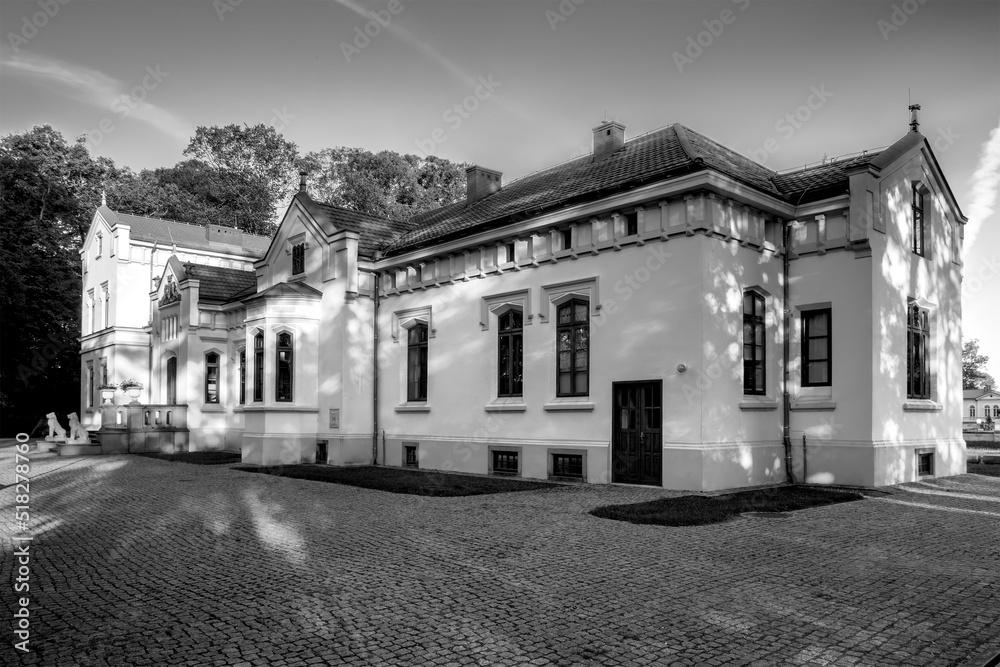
pixel 980 405
pixel 628 316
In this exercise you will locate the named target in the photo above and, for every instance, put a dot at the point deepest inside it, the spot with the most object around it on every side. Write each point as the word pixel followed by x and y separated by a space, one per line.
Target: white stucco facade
pixel 395 352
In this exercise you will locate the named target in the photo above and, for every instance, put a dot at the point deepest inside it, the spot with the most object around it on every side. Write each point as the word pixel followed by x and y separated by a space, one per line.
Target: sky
pixel 518 85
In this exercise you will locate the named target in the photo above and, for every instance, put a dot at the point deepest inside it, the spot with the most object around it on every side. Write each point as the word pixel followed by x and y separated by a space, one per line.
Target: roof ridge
pixel 834 160
pixel 181 222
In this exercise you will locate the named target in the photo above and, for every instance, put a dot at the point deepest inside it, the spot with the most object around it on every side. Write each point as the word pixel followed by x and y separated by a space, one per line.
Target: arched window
pixel 211 377
pixel 917 241
pixel 754 348
pixel 510 353
pixel 416 363
pixel 283 370
pixel 996 410
pixel 573 348
pixel 972 411
pixel 258 367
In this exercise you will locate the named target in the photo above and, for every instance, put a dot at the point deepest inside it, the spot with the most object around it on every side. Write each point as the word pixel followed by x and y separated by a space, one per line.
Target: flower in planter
pixel 127 384
pixel 107 386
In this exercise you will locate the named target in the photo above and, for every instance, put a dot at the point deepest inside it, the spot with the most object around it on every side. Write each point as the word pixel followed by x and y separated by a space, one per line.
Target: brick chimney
pixel 609 136
pixel 480 181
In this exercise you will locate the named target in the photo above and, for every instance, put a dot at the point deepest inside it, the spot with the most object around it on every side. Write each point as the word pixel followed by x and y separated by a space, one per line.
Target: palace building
pixel 663 311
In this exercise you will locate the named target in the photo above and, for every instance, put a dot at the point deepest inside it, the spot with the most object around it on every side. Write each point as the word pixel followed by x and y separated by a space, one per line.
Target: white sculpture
pixel 56 432
pixel 78 435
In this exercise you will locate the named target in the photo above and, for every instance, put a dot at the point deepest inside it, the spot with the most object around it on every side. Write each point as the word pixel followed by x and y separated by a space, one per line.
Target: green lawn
pixel 991 469
pixel 401 480
pixel 200 458
pixel 701 510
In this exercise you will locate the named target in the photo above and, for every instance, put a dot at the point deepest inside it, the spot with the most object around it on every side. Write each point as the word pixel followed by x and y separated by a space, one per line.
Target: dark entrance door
pixel 636 445
pixel 172 381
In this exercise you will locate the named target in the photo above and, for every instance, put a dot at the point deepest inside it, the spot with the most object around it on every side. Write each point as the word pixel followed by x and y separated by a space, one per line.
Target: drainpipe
pixel 786 314
pixel 376 277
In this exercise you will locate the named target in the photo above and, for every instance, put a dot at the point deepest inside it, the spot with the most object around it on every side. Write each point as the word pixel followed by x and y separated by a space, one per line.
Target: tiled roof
pixel 374 233
pixel 659 155
pixel 821 181
pixel 974 393
pixel 183 234
pixel 219 285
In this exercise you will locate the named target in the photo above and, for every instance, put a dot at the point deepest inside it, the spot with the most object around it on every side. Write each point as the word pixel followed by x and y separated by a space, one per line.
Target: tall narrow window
pixel 753 344
pixel 567 238
pixel 91 306
pixel 100 244
pixel 90 384
pixel 107 307
pixel 918 219
pixel 510 353
pixel 416 363
pixel 283 388
pixel 243 377
pixel 918 366
pixel 104 371
pixel 972 411
pixel 816 348
pixel 298 258
pixel 573 349
pixel 508 252
pixel 211 377
pixel 258 367
pixel 996 410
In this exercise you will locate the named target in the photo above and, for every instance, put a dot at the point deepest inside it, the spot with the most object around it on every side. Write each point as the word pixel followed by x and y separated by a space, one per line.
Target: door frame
pixel 658 382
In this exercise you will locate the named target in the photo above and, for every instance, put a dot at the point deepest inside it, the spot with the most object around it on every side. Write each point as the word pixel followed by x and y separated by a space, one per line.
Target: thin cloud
pixel 428 51
pixel 99 90
pixel 985 184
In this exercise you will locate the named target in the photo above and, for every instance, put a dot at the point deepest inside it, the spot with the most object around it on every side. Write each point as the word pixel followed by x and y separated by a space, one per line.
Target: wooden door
pixel 636 438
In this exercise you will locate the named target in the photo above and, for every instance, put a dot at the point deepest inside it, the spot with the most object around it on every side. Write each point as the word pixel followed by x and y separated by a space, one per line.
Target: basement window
pixel 505 462
pixel 567 465
pixel 925 464
pixel 410 456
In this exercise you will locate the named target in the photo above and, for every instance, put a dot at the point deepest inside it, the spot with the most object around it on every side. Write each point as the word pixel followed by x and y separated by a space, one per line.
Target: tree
pixel 259 153
pixel 48 190
pixel 384 184
pixel 974 375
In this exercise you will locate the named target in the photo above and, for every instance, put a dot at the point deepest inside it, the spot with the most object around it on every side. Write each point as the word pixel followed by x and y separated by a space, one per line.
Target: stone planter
pixel 107 396
pixel 134 393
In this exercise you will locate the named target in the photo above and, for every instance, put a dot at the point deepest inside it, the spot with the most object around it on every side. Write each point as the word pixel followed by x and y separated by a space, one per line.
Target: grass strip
pixel 702 510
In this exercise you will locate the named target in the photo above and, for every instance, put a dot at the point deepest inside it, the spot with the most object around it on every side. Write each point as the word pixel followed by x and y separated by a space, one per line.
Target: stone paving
pixel 143 562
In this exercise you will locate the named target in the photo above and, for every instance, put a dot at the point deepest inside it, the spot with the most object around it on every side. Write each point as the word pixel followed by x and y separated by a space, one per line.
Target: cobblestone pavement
pixel 143 562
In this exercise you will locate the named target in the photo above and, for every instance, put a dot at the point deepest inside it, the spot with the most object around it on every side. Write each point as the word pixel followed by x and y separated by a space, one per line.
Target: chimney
pixel 609 136
pixel 480 181
pixel 302 181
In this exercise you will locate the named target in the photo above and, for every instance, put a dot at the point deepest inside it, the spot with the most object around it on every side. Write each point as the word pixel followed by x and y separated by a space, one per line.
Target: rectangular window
pixel 211 378
pixel 505 462
pixel 416 363
pixel 567 238
pixel 243 377
pixel 753 344
pixel 573 349
pixel 283 371
pixel 918 367
pixel 817 348
pixel 91 309
pixel 918 219
pixel 567 465
pixel 632 223
pixel 510 353
pixel 258 367
pixel 104 371
pixel 100 245
pixel 107 306
pixel 410 456
pixel 925 463
pixel 508 252
pixel 298 258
